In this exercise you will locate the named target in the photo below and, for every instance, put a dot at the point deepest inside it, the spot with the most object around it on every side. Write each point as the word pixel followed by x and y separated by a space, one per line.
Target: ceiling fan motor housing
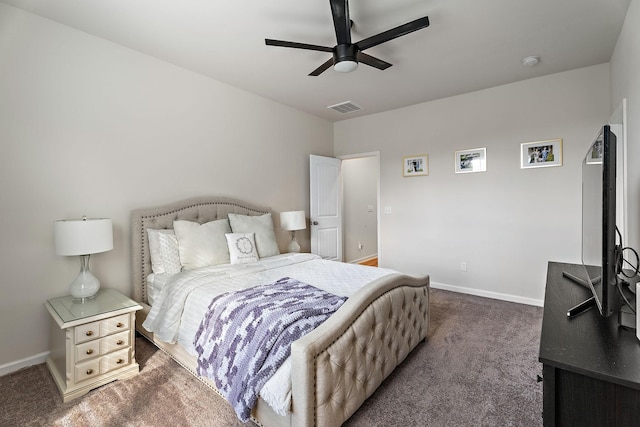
pixel 345 58
pixel 345 52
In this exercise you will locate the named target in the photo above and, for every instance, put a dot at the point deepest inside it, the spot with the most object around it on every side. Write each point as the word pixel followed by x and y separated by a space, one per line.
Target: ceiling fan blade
pixel 341 21
pixel 321 69
pixel 296 45
pixel 393 33
pixel 372 61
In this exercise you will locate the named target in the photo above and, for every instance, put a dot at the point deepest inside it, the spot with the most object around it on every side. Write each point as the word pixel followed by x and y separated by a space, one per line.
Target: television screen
pixel 599 251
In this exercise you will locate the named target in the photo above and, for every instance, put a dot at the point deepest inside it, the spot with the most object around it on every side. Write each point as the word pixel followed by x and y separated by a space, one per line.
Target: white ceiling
pixel 470 44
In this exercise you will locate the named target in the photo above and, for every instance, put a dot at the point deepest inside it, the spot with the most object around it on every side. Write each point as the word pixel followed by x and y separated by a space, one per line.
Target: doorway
pixel 360 207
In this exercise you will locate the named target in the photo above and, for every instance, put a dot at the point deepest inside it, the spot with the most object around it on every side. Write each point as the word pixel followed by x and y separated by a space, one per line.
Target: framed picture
pixel 473 160
pixel 415 165
pixel 541 154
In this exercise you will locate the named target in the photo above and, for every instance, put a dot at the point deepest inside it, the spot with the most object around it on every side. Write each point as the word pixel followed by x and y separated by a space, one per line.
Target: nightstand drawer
pixel 87 350
pixel 87 332
pixel 102 346
pixel 114 342
pixel 93 330
pixel 114 324
pixel 114 360
pixel 87 370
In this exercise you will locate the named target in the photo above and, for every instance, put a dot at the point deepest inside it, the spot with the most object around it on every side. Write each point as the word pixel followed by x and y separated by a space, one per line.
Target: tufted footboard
pixel 342 362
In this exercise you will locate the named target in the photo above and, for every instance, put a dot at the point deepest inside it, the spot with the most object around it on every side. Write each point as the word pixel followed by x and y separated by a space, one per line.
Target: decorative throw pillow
pixel 163 249
pixel 242 247
pixel 201 245
pixel 262 226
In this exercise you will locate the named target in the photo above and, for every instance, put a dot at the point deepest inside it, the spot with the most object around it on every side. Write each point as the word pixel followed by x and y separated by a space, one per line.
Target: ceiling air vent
pixel 345 107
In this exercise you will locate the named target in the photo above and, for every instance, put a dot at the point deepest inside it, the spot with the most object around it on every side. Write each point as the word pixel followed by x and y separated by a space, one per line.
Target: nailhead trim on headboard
pixel 202 209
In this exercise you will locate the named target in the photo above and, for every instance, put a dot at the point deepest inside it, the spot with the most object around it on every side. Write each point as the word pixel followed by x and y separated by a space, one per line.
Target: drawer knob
pixel 89 371
pixel 120 342
pixel 120 361
pixel 89 333
pixel 120 325
pixel 90 351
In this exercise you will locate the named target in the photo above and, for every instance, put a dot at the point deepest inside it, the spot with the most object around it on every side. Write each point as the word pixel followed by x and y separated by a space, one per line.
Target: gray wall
pixel 505 223
pixel 88 127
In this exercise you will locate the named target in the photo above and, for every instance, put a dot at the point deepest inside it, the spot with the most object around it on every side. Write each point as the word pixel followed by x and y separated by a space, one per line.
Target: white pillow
pixel 262 226
pixel 163 249
pixel 201 245
pixel 242 247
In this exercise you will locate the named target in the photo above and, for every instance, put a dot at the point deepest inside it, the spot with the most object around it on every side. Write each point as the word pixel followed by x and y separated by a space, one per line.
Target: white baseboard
pixel 23 363
pixel 488 294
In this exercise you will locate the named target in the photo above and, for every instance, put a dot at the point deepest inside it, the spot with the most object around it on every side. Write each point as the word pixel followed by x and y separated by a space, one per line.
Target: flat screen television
pixel 601 250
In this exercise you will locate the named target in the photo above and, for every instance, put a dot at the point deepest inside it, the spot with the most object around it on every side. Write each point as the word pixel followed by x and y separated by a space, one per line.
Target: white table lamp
pixel 292 221
pixel 83 237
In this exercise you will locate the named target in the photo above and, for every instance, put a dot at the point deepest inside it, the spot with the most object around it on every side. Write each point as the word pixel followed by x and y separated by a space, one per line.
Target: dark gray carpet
pixel 478 368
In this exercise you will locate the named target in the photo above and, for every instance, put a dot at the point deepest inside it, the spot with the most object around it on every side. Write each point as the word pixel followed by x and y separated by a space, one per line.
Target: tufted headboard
pixel 200 209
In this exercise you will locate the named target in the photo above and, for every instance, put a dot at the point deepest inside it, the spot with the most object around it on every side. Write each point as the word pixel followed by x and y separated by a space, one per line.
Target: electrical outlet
pixel 463 266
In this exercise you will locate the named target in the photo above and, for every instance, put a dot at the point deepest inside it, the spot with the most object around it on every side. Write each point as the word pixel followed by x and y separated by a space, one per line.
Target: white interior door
pixel 326 207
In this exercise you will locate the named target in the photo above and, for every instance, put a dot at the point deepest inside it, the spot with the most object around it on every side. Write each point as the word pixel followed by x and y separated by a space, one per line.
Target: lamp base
pixel 293 246
pixel 86 285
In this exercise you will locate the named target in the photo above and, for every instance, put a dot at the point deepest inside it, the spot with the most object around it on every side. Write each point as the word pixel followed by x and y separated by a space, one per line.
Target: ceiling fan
pixel 347 55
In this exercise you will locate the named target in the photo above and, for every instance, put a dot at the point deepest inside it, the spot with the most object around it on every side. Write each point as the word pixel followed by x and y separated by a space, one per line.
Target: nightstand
pixel 92 343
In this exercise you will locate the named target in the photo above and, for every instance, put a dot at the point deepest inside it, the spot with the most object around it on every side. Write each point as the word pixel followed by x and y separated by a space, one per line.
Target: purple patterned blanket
pixel 246 335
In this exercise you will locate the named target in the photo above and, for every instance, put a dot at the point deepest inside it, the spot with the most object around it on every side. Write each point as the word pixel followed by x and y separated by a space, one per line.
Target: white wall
pixel 506 223
pixel 625 83
pixel 88 127
pixel 360 192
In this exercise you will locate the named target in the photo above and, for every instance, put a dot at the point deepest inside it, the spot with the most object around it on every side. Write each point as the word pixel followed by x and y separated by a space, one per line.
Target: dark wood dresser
pixel 591 366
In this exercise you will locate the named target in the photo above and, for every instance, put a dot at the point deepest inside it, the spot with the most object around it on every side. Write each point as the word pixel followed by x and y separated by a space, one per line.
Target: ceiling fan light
pixel 345 66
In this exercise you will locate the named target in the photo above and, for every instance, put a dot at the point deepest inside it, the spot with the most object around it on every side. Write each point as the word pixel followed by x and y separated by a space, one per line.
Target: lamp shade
pixel 294 220
pixel 83 236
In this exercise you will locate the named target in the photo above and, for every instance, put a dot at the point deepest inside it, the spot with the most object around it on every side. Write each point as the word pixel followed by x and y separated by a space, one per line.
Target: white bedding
pixel 181 303
pixel 155 283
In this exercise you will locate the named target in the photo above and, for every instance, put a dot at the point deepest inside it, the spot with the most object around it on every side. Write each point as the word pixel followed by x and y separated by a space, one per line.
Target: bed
pixel 336 366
